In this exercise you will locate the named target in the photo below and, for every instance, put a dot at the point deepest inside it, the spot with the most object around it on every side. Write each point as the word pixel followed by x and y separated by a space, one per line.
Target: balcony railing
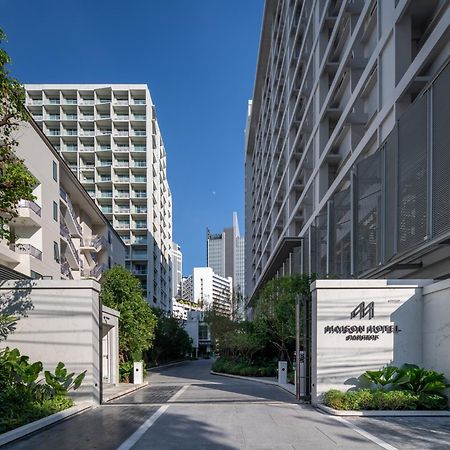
pixel 121 102
pixel 87 101
pixel 140 271
pixel 87 133
pixel 122 149
pixel 71 209
pixel 65 233
pixel 120 133
pixel 97 243
pixel 28 249
pixel 30 204
pixel 87 118
pixel 65 268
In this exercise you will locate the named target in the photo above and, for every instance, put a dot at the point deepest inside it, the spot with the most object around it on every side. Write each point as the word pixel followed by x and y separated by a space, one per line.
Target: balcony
pixel 122 194
pixel 140 194
pixel 87 101
pixel 122 149
pixel 70 101
pixel 28 249
pixel 122 117
pixel 35 102
pixel 87 148
pixel 121 164
pixel 121 102
pixel 87 133
pixel 139 271
pixel 70 251
pixel 104 163
pixel 122 180
pixel 87 167
pixel 86 118
pixel 31 205
pixel 104 132
pixel 65 268
pixel 121 133
pixel 122 226
pixel 138 133
pixel 140 225
pixel 97 244
pixel 138 101
pixel 139 148
pixel 104 194
pixel 74 226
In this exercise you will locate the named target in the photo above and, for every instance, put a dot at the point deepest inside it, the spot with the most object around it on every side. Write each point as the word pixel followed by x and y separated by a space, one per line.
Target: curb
pixel 31 427
pixel 270 383
pixel 162 366
pixel 131 389
pixel 384 413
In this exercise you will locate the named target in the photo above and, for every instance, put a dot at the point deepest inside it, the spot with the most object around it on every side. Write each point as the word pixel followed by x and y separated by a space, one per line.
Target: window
pixel 55 211
pixel 56 251
pixel 36 275
pixel 55 171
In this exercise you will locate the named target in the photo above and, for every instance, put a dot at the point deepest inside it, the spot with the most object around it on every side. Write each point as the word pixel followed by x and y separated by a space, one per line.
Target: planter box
pixel 383 413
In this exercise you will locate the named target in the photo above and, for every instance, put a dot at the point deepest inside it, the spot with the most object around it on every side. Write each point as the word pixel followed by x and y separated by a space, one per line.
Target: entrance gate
pixel 303 347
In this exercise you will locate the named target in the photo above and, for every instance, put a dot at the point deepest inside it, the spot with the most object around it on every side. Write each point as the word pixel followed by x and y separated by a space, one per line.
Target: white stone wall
pixel 63 324
pixel 436 327
pixel 337 359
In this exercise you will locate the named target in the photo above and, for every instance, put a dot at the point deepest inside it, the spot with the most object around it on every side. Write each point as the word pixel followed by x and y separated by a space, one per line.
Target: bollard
pixel 138 372
pixel 282 372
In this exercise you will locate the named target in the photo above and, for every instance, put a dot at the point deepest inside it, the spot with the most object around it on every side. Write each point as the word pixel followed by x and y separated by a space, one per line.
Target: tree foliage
pixel 275 310
pixel 171 340
pixel 16 183
pixel 122 291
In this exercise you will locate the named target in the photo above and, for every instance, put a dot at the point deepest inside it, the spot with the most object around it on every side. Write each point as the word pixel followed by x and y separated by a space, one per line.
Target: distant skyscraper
pixel 177 268
pixel 225 254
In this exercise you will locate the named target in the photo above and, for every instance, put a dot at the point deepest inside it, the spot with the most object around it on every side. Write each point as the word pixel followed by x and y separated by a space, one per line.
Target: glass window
pixel 55 171
pixel 55 211
pixel 56 251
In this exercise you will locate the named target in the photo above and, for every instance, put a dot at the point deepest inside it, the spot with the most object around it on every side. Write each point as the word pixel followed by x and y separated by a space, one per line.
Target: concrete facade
pixel 401 321
pixel 62 234
pixel 63 320
pixel 177 269
pixel 207 289
pixel 109 136
pixel 347 142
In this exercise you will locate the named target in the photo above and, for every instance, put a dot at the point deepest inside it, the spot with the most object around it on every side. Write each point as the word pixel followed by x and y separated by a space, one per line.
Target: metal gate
pixel 303 348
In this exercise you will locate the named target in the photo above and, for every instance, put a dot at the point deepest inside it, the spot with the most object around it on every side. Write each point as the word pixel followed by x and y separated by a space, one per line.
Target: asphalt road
pixel 187 408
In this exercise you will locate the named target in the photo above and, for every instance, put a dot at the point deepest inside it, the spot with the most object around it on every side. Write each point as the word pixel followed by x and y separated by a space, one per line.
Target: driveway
pixel 187 408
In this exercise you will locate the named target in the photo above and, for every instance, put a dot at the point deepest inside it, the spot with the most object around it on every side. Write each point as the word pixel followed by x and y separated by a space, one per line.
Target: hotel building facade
pixel 348 141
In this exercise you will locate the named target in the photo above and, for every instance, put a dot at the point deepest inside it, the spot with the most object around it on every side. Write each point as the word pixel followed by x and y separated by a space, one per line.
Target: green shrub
pixel 408 378
pixel 25 398
pixel 378 399
pixel 126 371
pixel 432 401
pixel 224 365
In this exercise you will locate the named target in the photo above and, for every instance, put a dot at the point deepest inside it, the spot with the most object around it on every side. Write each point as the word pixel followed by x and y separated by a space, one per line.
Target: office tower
pixel 347 141
pixel 61 234
pixel 225 254
pixel 109 136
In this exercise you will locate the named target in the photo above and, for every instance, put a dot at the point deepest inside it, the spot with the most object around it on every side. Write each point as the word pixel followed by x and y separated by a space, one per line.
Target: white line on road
pixel 367 435
pixel 131 441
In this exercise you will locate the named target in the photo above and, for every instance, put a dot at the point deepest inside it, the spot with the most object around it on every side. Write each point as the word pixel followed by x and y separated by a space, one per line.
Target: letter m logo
pixel 362 310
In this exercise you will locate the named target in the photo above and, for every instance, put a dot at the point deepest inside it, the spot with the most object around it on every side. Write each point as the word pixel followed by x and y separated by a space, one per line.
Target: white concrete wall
pixel 337 361
pixel 436 327
pixel 63 324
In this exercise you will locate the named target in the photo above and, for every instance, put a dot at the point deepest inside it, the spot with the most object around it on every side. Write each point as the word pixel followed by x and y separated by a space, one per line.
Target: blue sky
pixel 198 58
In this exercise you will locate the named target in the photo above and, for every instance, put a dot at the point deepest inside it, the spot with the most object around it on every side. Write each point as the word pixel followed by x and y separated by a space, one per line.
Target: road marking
pixel 367 435
pixel 132 440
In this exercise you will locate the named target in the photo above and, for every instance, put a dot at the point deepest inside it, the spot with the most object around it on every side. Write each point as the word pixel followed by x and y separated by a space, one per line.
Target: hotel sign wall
pixel 361 332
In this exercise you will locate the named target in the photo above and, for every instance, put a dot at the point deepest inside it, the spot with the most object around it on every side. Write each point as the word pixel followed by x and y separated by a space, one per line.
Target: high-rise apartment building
pixel 347 142
pixel 109 137
pixel 177 269
pixel 208 290
pixel 225 254
pixel 61 234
